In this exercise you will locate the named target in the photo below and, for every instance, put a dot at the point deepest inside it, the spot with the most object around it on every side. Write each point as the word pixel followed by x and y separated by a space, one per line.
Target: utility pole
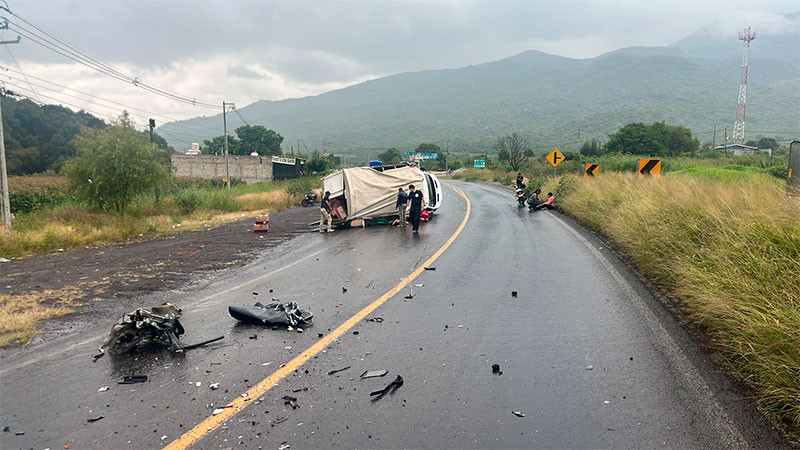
pixel 725 141
pixel 225 133
pixel 447 153
pixel 714 140
pixel 6 202
pixel 152 124
pixel 579 138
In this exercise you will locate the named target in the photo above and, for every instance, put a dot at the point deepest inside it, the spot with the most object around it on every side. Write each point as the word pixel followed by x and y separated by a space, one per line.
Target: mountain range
pixel 552 100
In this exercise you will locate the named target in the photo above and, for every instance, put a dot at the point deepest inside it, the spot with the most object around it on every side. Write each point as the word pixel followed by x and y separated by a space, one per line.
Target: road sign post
pixel 479 163
pixel 793 175
pixel 589 170
pixel 648 167
pixel 555 158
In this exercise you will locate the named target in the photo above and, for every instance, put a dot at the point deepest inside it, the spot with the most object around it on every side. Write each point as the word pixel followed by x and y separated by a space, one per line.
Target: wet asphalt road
pixel 648 386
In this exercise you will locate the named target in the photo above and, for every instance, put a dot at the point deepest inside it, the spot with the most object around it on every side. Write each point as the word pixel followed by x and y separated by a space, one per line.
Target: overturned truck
pixel 366 193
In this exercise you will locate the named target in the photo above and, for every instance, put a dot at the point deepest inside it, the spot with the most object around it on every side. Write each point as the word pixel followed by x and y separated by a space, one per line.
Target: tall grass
pixel 730 252
pixel 188 204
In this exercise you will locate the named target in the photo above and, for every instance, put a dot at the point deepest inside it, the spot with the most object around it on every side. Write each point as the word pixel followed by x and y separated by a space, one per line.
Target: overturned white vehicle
pixel 365 193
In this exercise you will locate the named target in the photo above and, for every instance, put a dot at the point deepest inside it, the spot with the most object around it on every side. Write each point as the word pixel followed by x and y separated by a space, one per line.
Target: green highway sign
pixel 480 163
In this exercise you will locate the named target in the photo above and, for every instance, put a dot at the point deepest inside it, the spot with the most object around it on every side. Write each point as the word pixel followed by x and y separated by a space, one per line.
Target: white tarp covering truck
pixel 367 193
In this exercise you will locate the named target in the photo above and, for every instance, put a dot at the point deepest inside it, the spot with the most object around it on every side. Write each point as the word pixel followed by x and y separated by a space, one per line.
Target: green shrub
pixel 188 200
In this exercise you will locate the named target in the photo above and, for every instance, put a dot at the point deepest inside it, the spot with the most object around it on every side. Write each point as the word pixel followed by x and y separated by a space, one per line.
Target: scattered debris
pixel 200 344
pixel 344 290
pixel 430 268
pixel 409 296
pixel 373 373
pixel 518 413
pixel 158 325
pixel 496 369
pixel 19 433
pixel 186 253
pixel 133 379
pixel 355 333
pixel 219 410
pixel 419 285
pixel 6 429
pixel 272 314
pixel 94 419
pixel 214 386
pixel 284 446
pixel 279 420
pixel 302 389
pixel 335 371
pixel 589 367
pixel 2 260
pixel 163 437
pixel 291 401
pixel 606 402
pixel 103 389
pixel 513 293
pixel 389 389
pixel 253 336
pixel 376 319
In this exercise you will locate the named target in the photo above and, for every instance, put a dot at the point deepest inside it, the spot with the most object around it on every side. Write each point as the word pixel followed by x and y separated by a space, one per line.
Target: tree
pixel 391 156
pixel 658 139
pixel 767 143
pixel 592 148
pixel 513 149
pixel 427 148
pixel 216 146
pixel 257 138
pixel 114 164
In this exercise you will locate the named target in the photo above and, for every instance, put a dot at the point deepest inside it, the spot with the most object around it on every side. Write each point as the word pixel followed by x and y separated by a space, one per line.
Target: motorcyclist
pixel 520 180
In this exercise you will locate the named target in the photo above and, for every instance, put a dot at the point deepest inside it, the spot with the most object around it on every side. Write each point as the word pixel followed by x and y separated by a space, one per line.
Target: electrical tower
pixel 738 126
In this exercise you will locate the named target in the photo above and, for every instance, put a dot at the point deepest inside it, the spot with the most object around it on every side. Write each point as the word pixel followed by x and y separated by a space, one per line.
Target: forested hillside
pixel 38 137
pixel 544 97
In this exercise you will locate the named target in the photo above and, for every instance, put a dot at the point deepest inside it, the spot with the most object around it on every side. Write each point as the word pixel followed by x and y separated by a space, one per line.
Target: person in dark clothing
pixel 402 200
pixel 520 180
pixel 533 200
pixel 416 201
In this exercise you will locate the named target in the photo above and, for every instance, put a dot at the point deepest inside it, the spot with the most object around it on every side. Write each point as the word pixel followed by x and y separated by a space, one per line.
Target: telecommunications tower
pixel 738 126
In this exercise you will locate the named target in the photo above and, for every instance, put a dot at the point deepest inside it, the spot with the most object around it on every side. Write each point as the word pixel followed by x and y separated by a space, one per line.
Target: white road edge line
pixel 710 407
pixel 204 299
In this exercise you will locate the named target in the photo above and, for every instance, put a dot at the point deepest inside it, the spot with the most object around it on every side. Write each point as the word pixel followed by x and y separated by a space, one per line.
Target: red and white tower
pixel 738 126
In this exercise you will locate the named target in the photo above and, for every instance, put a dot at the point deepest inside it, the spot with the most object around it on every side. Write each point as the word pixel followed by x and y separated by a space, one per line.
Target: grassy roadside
pixel 186 207
pixel 57 222
pixel 728 249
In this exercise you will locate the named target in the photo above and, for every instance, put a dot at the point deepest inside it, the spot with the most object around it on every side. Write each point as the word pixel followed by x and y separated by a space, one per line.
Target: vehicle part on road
pixel 279 420
pixel 513 293
pixel 291 401
pixel 94 419
pixel 373 373
pixel 589 367
pixel 103 389
pixel 409 296
pixel 19 433
pixel 273 314
pixel 200 344
pixel 335 371
pixel 496 369
pixel 518 413
pixel 374 319
pixel 344 290
pixel 6 429
pixel 389 389
pixel 214 386
pixel 133 379
pixel 284 446
pixel 159 325
pixel 430 268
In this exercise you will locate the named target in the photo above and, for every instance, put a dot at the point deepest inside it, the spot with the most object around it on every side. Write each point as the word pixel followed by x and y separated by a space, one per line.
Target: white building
pixel 738 149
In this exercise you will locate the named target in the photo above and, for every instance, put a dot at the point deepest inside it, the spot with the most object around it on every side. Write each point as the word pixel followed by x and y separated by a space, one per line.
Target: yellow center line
pixel 211 423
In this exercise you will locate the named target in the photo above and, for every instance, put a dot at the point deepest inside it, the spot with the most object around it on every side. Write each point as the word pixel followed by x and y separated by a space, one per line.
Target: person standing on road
pixel 402 200
pixel 325 213
pixel 416 201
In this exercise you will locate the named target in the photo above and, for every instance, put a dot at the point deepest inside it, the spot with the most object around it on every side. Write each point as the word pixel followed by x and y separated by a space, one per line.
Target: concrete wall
pixel 249 169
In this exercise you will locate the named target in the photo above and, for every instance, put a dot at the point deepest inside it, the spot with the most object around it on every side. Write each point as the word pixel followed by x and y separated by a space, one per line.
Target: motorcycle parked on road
pixel 309 198
pixel 520 197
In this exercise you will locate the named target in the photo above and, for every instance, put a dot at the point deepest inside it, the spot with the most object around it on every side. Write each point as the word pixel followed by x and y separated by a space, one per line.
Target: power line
pixel 188 127
pixel 62 47
pixel 240 116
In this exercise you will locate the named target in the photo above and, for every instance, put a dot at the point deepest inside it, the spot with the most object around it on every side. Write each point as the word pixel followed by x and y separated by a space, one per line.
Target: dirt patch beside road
pixel 82 281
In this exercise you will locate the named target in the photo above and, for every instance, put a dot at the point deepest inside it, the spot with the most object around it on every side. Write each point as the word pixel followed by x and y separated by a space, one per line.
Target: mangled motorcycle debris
pixel 159 325
pixel 286 314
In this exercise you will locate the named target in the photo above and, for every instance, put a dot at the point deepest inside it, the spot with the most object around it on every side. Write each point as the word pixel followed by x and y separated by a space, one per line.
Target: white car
pixel 433 192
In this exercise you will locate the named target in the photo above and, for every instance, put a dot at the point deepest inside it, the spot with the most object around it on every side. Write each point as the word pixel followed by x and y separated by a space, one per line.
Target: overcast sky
pixel 244 51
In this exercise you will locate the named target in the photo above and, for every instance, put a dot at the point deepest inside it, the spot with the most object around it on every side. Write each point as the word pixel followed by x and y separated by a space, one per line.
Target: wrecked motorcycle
pixel 288 314
pixel 159 325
